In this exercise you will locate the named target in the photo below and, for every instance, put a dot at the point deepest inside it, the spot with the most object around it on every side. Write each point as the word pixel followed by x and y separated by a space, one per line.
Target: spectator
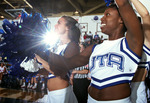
pixel 97 38
pixel 2 70
pixel 101 38
pixel 85 36
pixel 34 80
pixel 90 35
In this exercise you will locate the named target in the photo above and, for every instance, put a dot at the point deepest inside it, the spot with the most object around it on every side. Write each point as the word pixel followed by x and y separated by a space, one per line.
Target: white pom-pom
pixel 30 65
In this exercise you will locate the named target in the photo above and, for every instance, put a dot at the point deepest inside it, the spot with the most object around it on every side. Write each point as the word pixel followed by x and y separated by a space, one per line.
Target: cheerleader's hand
pixel 39 59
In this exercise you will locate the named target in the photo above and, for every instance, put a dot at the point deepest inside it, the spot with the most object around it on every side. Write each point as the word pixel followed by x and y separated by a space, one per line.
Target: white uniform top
pixel 59 50
pixel 139 92
pixel 112 63
pixel 2 69
pixel 145 61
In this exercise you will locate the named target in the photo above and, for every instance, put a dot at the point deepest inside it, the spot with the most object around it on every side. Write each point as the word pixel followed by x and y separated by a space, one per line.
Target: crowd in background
pixel 90 38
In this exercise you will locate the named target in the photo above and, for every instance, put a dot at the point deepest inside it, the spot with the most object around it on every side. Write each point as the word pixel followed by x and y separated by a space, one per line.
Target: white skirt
pixel 65 95
pixel 138 92
pixel 125 100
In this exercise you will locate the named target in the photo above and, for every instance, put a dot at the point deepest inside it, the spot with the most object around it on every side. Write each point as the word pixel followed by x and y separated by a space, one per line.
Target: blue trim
pixel 113 77
pixel 51 77
pixel 63 51
pixel 109 85
pixel 93 47
pixel 145 67
pixel 146 47
pixel 144 63
pixel 60 53
pixel 146 51
pixel 130 49
pixel 121 49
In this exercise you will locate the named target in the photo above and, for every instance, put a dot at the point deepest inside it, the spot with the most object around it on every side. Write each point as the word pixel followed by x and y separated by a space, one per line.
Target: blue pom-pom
pixel 2 31
pixel 21 39
pixel 108 2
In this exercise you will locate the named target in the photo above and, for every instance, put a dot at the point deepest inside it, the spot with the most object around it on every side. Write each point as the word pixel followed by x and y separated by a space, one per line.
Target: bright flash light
pixel 51 38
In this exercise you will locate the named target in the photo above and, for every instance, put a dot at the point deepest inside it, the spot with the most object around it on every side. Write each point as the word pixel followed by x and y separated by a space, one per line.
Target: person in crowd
pixel 112 63
pixel 96 36
pixel 34 81
pixel 23 82
pixel 101 38
pixel 1 59
pixel 139 94
pixel 42 80
pixel 2 71
pixel 32 76
pixel 85 36
pixel 97 39
pixel 87 40
pixel 59 88
pixel 90 35
pixel 26 82
pixel 79 80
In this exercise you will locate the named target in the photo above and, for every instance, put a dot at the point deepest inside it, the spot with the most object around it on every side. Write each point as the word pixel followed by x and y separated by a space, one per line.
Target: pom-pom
pixel 30 65
pixel 22 39
pixel 108 2
pixel 2 31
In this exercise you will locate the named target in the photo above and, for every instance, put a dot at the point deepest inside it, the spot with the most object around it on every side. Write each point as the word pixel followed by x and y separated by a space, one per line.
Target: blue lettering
pixel 109 60
pixel 93 63
pixel 101 59
pixel 115 59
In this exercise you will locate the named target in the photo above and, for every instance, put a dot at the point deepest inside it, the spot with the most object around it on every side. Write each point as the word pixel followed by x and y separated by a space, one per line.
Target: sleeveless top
pixel 60 50
pixel 145 61
pixel 2 69
pixel 112 63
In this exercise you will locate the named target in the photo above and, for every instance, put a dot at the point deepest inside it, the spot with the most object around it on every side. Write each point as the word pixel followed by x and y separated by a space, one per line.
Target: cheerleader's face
pixel 60 27
pixel 110 22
